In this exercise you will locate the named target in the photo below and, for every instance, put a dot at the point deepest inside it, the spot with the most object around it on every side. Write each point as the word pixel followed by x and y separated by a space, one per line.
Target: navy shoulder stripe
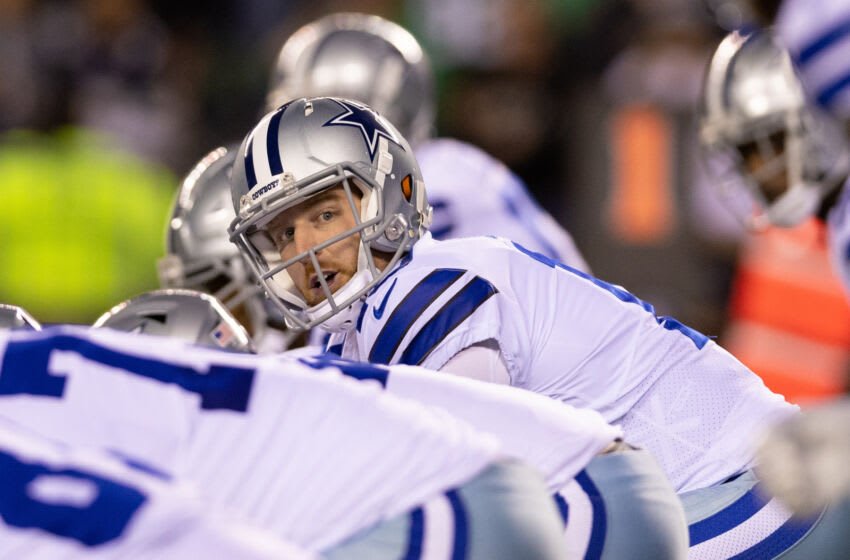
pixel 409 310
pixel 453 313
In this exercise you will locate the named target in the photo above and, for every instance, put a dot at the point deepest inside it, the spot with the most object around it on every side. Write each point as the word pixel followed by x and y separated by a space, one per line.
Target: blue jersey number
pixel 669 323
pixel 25 371
pixel 100 521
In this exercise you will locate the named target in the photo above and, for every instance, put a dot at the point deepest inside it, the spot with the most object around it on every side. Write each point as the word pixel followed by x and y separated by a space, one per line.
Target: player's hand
pixel 805 461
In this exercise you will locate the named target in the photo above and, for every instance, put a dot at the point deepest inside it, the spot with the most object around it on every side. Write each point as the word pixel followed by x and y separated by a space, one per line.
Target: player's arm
pixel 481 361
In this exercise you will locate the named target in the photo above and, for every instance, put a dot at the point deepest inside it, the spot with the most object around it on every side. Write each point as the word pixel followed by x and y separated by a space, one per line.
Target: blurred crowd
pixel 116 99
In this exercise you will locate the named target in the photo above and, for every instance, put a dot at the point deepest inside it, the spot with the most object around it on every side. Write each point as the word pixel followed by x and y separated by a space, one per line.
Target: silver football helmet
pixel 188 315
pixel 301 150
pixel 774 155
pixel 14 317
pixel 361 57
pixel 199 254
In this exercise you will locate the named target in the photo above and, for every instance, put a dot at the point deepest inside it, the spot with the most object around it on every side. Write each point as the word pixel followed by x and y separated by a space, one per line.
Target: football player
pixel 194 317
pixel 14 317
pixel 576 450
pixel 58 501
pixel 327 463
pixel 333 215
pixel 199 255
pixel 778 158
pixel 375 61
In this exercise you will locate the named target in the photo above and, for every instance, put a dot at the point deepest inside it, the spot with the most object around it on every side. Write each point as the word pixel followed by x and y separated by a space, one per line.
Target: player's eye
pixel 326 216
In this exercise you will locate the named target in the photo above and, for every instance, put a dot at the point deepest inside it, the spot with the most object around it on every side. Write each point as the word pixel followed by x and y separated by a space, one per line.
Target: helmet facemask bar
pixel 249 232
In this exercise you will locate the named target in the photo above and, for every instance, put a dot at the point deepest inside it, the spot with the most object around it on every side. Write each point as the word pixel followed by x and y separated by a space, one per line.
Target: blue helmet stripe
pixel 250 175
pixel 272 144
pixel 409 310
pixel 453 313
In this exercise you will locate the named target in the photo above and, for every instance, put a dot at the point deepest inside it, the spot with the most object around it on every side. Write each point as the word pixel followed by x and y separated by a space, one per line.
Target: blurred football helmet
pixel 14 317
pixel 361 57
pixel 199 254
pixel 302 149
pixel 188 315
pixel 775 155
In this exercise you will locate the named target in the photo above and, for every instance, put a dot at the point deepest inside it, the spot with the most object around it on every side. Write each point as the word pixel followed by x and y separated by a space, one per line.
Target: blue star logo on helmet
pixel 366 120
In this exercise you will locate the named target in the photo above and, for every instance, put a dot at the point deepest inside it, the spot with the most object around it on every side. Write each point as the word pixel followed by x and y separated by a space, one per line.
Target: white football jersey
pixel 63 502
pixel 557 439
pixel 838 237
pixel 474 194
pixel 314 458
pixel 574 338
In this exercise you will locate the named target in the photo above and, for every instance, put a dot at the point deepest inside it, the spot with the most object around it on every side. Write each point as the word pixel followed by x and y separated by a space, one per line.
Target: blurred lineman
pixel 58 501
pixel 200 256
pixel 369 59
pixel 320 460
pixel 332 214
pixel 592 476
pixel 614 500
pixel 187 315
pixel 80 223
pixel 14 317
pixel 779 161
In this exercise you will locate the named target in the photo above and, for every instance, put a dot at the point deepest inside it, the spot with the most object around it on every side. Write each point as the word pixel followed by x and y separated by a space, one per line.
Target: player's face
pixel 764 160
pixel 310 223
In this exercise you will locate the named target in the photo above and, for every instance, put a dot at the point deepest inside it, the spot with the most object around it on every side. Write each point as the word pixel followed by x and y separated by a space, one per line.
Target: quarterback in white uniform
pixel 318 460
pixel 58 501
pixel 332 213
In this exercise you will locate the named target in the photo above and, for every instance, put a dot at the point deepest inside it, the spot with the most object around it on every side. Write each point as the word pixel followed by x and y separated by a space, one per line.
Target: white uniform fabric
pixel 576 339
pixel 314 458
pixel 817 33
pixel 838 237
pixel 474 194
pixel 60 502
pixel 556 439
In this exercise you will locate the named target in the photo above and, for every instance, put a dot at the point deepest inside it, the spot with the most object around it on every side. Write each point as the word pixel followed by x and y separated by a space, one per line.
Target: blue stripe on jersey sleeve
pixel 453 313
pixel 358 370
pixel 409 310
pixel 779 541
pixel 600 519
pixel 728 518
pixel 823 42
pixel 99 522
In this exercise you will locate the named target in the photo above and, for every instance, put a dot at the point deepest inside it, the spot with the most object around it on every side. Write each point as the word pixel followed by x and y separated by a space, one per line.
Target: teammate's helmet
pixel 188 315
pixel 754 109
pixel 199 254
pixel 302 149
pixel 361 57
pixel 14 317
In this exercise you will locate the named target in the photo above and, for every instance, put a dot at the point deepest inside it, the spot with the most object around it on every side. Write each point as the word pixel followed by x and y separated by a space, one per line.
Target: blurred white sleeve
pixel 481 361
